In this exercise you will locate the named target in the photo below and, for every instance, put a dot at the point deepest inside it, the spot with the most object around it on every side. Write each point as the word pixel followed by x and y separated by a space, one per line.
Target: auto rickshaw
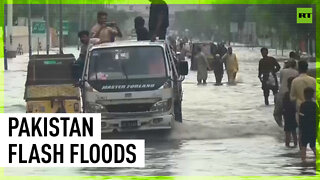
pixel 50 85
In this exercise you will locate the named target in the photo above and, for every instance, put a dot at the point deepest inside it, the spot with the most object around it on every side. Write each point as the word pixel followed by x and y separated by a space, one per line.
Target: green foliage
pixel 276 20
pixel 196 21
pixel 280 17
pixel 212 22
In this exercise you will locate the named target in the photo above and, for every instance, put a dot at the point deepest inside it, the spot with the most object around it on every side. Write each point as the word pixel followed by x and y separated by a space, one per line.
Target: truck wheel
pixel 178 111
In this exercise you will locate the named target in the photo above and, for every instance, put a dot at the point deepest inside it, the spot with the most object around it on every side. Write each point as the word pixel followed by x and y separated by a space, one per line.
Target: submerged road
pixel 226 130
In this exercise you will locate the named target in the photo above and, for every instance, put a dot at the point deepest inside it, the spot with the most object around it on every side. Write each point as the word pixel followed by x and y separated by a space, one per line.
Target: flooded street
pixel 226 130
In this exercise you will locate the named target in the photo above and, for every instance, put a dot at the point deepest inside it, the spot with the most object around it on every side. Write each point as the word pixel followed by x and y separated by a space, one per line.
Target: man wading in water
pixel 268 67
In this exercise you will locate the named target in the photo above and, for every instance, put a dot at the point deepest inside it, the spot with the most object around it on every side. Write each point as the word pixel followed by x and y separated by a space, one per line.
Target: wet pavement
pixel 226 130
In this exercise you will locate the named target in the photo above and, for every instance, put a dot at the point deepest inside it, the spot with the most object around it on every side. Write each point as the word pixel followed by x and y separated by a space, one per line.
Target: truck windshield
pixel 127 63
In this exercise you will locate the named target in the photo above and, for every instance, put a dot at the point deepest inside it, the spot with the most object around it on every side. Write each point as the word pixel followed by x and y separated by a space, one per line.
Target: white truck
pixel 135 85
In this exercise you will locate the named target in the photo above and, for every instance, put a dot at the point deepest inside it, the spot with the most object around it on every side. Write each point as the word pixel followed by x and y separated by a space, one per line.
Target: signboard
pixel 65 27
pixel 38 27
pixel 50 62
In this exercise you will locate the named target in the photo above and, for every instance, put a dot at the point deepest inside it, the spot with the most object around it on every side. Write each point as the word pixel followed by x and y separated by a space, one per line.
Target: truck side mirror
pixel 183 68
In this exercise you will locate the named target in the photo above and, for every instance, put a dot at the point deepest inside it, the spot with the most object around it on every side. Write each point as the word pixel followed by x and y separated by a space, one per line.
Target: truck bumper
pixel 154 122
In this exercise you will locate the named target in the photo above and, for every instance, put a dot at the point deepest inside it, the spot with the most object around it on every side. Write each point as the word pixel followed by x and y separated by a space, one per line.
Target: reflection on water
pixel 227 130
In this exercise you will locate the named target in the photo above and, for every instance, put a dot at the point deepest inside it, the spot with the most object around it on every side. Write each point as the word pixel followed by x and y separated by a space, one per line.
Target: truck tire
pixel 178 111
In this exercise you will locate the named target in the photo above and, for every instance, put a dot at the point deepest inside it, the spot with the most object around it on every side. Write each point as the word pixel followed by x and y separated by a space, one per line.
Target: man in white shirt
pixel 300 83
pixel 298 86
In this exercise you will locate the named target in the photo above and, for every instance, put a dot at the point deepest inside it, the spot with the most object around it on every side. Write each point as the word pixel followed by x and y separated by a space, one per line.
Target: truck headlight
pixel 161 106
pixel 95 108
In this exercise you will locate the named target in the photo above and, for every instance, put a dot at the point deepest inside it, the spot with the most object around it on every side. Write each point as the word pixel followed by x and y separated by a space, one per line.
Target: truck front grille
pixel 129 107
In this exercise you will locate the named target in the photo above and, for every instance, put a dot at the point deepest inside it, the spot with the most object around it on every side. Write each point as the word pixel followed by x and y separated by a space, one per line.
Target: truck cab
pixel 135 85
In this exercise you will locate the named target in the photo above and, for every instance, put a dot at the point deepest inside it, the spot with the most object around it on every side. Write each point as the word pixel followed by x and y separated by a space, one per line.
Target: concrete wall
pixel 20 35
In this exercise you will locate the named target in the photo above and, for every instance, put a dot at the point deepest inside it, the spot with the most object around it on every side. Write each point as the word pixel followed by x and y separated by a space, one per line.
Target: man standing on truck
pixel 158 19
pixel 142 32
pixel 106 32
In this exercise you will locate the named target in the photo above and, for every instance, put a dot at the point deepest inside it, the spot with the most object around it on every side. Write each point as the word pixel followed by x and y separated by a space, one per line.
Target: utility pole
pixel 29 30
pixel 47 28
pixel 60 29
pixel 11 53
pixel 5 38
pixel 85 26
pixel 80 21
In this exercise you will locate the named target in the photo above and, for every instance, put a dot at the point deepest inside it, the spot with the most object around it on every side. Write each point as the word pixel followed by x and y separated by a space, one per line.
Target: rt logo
pixel 304 15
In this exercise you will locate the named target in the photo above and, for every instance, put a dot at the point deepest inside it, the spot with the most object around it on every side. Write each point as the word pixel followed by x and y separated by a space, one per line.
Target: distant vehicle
pixel 50 85
pixel 135 85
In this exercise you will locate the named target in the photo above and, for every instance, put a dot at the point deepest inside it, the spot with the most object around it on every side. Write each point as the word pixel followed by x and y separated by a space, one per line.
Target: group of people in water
pixel 221 57
pixel 294 97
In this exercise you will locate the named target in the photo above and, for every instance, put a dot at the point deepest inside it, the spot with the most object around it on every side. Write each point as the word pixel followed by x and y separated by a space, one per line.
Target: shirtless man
pixel 106 32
